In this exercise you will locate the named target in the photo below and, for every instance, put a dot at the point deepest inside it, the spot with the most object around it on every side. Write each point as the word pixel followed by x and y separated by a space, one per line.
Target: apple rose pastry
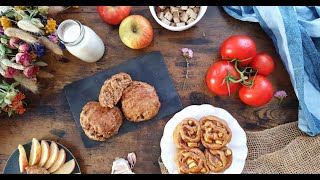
pixel 218 160
pixel 215 132
pixel 187 134
pixel 191 161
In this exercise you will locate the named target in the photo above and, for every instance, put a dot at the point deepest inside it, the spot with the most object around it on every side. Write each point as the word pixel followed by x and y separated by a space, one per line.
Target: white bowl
pixel 202 11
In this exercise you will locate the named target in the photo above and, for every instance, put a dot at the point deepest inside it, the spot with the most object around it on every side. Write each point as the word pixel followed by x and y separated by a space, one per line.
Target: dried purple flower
pixel 54 37
pixel 39 49
pixel 24 48
pixel 23 58
pixel 31 71
pixel 280 95
pixel 14 43
pixel 11 72
pixel 1 30
pixel 188 53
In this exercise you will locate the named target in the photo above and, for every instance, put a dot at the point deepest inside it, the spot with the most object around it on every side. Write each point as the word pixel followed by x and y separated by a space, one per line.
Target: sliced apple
pixel 45 153
pixel 23 161
pixel 54 152
pixel 67 168
pixel 35 153
pixel 59 162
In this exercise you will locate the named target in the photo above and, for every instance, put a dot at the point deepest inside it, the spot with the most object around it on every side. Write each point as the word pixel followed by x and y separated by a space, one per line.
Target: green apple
pixel 136 32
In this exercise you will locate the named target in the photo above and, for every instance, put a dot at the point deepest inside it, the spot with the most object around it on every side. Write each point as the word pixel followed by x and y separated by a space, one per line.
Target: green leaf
pixel 4 41
pixel 1 101
pixel 37 22
pixel 4 36
pixel 5 83
pixel 43 10
pixel 9 113
pixel 2 49
pixel 3 105
pixel 10 14
pixel 8 63
pixel 8 101
pixel 15 84
pixel 8 51
pixel 4 87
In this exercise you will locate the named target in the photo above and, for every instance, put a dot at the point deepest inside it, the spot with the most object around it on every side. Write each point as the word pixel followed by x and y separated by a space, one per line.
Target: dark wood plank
pixel 48 115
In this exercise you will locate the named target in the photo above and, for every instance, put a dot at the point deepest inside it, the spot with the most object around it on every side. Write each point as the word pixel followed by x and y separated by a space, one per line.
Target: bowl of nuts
pixel 177 18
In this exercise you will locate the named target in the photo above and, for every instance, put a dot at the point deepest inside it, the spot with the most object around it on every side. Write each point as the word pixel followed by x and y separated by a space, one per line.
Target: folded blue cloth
pixel 295 32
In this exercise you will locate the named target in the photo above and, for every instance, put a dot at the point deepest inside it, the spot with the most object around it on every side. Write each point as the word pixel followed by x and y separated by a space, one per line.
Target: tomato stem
pixel 237 60
pixel 243 78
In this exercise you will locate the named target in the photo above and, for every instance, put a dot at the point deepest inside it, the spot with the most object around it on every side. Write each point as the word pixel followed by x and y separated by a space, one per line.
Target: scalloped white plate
pixel 238 143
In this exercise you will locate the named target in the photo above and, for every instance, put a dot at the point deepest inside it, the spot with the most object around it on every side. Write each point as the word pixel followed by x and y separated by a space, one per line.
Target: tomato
pixel 239 47
pixel 259 94
pixel 113 14
pixel 263 63
pixel 216 78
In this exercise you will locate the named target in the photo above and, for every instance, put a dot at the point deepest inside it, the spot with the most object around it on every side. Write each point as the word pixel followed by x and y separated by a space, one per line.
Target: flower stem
pixel 187 73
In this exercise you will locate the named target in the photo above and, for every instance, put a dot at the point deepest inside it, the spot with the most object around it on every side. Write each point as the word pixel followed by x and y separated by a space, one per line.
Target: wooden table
pixel 48 115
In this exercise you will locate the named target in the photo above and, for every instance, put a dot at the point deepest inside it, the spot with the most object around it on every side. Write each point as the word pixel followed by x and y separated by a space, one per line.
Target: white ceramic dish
pixel 238 143
pixel 202 11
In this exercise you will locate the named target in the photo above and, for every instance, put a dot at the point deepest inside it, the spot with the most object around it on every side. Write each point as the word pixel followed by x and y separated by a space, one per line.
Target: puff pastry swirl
pixel 218 160
pixel 191 161
pixel 215 132
pixel 187 134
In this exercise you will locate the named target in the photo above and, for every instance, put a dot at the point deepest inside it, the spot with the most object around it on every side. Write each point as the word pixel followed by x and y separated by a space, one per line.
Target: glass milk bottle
pixel 81 41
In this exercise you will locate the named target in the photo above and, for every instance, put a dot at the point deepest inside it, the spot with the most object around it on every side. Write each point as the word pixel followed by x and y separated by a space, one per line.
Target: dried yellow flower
pixel 20 7
pixel 51 26
pixel 33 55
pixel 5 22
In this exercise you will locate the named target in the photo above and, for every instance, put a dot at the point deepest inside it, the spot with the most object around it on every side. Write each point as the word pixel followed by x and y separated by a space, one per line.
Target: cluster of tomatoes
pixel 241 66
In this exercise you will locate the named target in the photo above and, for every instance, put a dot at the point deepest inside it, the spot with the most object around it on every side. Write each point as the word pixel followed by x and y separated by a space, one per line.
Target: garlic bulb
pixel 121 166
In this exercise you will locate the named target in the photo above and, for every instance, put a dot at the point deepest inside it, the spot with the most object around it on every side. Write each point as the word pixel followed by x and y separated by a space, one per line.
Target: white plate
pixel 238 143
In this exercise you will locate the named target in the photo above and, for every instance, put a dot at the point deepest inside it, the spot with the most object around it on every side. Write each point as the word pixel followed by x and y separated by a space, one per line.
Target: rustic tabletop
pixel 48 115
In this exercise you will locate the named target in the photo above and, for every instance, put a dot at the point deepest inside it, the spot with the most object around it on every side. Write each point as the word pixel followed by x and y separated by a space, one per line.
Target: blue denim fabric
pixel 295 32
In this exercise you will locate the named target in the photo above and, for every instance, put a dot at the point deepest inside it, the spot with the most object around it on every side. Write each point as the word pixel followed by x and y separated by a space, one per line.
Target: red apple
pixel 136 32
pixel 113 14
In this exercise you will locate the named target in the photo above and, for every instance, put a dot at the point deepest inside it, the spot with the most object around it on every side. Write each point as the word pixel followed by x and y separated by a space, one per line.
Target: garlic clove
pixel 121 166
pixel 132 158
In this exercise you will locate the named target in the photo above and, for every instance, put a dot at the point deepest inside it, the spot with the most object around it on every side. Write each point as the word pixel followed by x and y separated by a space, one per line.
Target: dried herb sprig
pixel 11 99
pixel 187 54
pixel 280 95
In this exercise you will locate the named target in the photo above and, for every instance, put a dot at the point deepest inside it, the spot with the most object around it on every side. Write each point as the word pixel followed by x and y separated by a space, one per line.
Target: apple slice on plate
pixel 35 153
pixel 59 162
pixel 67 168
pixel 45 153
pixel 23 161
pixel 54 152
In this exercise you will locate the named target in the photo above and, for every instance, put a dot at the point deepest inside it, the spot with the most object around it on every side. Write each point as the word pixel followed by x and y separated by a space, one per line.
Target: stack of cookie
pixel 211 134
pixel 139 102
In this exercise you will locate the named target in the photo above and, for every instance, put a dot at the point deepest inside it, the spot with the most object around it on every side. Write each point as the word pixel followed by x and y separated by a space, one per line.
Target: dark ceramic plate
pixel 149 68
pixel 12 166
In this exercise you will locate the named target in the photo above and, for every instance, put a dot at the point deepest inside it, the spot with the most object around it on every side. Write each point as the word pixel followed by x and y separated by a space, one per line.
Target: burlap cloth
pixel 280 150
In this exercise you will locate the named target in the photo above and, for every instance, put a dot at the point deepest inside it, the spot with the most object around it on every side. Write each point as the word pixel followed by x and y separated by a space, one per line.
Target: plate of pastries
pixel 203 139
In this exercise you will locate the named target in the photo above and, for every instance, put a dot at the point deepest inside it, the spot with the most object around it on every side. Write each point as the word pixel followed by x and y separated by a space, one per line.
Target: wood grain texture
pixel 48 115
